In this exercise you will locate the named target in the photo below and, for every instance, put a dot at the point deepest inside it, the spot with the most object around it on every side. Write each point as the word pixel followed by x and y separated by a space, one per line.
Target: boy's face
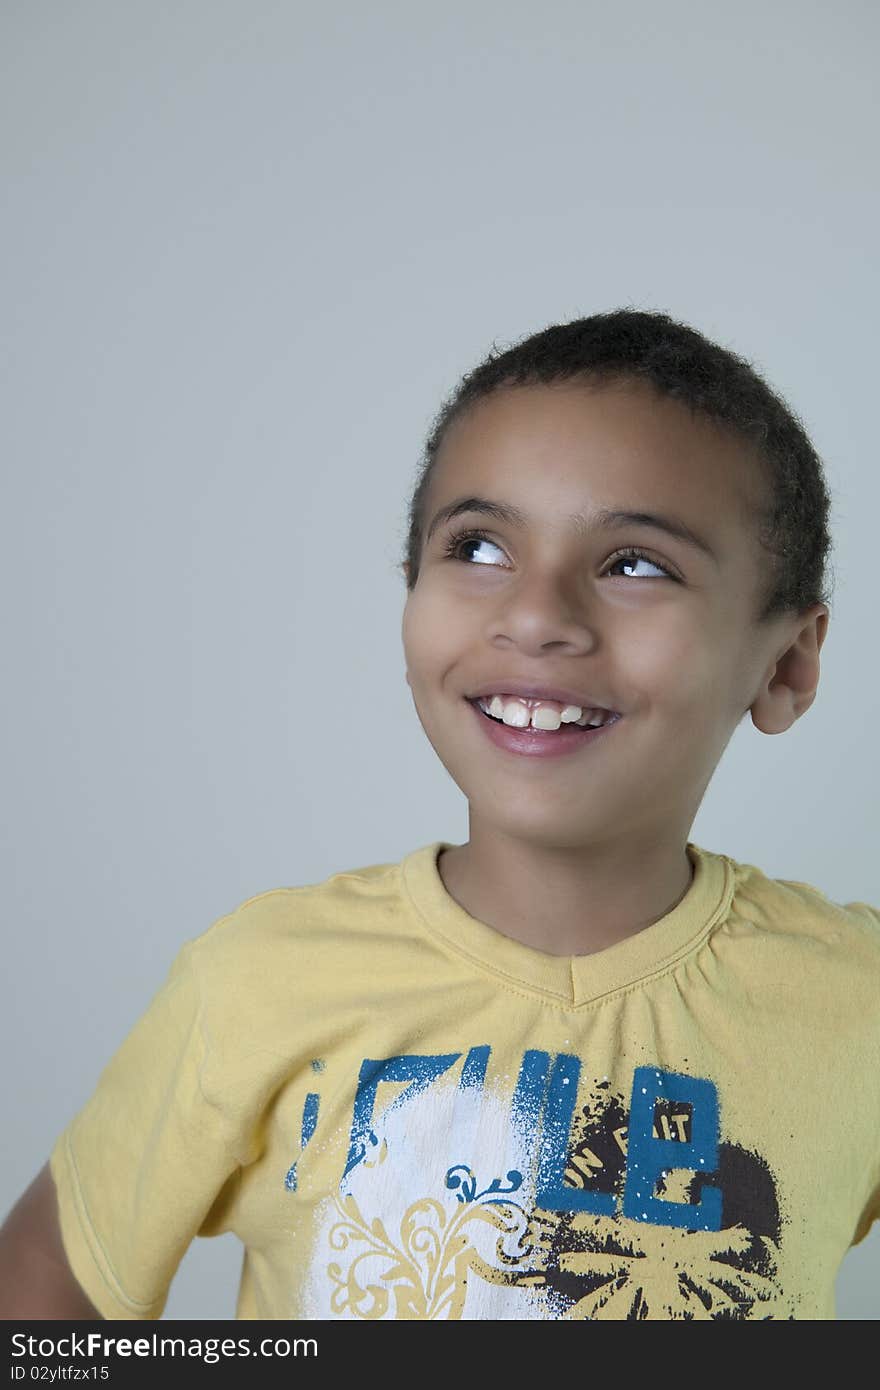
pixel 681 658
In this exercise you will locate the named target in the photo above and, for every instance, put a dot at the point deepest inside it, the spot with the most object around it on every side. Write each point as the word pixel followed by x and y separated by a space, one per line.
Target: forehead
pixel 555 450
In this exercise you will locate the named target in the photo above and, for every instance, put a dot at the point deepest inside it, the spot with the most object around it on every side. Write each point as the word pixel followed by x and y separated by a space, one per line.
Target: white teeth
pixel 518 715
pixel 544 717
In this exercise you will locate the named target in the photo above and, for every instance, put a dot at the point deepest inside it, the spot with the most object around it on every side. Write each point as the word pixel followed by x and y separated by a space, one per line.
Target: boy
pixel 579 1066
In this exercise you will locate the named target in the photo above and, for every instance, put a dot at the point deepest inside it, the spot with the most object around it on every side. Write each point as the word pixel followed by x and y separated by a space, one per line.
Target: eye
pixel 457 542
pixel 632 555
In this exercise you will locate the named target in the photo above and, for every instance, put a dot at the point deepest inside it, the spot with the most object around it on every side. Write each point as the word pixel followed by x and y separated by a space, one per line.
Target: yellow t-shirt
pixel 403 1113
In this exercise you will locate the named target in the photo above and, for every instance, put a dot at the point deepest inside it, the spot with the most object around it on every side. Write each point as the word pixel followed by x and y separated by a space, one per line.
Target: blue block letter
pixel 647 1157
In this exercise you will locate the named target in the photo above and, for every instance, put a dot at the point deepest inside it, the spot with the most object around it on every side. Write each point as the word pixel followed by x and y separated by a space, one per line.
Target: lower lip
pixel 539 743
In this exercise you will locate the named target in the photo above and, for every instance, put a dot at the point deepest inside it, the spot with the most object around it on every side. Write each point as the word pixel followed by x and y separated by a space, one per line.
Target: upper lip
pixel 531 690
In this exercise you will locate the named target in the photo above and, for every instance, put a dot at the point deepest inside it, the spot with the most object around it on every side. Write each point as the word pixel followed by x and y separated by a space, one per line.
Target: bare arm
pixel 36 1280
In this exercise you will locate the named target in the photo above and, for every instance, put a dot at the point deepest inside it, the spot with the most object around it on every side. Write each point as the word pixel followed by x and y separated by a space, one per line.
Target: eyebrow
pixel 604 519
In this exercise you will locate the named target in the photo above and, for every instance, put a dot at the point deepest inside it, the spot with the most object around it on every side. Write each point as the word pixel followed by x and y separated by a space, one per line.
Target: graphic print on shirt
pixel 560 1199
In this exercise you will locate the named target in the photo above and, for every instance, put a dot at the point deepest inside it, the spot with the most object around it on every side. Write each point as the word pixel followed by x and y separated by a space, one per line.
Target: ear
pixel 405 568
pixel 789 684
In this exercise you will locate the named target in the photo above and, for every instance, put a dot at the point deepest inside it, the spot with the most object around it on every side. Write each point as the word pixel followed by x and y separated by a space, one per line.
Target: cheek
pixel 669 661
pixel 684 671
pixel 429 634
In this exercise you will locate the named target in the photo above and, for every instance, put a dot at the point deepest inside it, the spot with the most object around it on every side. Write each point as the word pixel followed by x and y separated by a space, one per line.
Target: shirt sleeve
pixel 870 915
pixel 142 1167
pixel 870 1214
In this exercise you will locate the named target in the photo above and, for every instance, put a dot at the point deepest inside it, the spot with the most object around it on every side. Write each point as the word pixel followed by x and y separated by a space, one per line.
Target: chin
pixel 522 820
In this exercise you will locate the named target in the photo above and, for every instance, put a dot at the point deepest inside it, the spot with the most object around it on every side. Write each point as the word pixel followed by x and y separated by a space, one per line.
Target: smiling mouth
pixel 610 717
pixel 532 742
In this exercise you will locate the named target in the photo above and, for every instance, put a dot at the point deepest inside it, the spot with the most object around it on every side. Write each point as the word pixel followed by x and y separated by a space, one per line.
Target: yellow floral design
pixel 423 1274
pixel 665 1272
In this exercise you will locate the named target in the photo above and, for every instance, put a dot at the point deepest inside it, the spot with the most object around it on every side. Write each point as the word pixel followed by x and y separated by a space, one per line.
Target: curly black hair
pixel 680 363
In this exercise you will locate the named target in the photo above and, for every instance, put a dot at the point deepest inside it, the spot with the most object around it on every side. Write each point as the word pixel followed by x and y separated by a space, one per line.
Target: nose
pixel 542 611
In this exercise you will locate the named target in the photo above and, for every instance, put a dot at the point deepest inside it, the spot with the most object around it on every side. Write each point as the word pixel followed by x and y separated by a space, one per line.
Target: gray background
pixel 247 248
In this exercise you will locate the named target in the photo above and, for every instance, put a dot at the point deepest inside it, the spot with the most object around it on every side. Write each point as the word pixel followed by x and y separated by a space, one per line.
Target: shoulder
pixel 285 932
pixel 263 980
pixel 801 915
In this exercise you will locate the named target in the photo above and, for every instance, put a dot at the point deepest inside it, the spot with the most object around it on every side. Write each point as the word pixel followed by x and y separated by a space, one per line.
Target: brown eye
pixel 459 543
pixel 632 557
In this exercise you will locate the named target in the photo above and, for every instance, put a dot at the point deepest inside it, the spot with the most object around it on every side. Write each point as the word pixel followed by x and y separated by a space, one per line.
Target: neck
pixel 566 900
